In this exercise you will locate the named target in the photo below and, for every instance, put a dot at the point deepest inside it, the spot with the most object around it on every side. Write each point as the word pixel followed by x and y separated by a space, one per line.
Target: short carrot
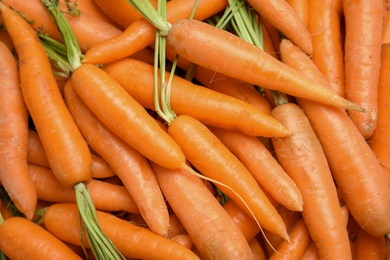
pixel 190 99
pixel 23 239
pixel 215 235
pixel 208 155
pixel 302 157
pixel 131 240
pixel 14 136
pixel 362 60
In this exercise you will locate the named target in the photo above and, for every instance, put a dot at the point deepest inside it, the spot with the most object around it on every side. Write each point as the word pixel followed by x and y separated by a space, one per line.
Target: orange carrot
pixel 184 240
pixel 301 7
pixel 190 99
pixel 175 226
pixel 141 33
pixel 302 157
pixel 215 235
pixel 14 137
pixel 263 166
pixel 362 60
pixel 311 252
pixel 24 239
pixel 131 240
pixel 285 19
pixel 129 165
pixel 257 250
pixel 188 37
pixel 369 247
pixel 208 155
pixel 106 196
pixel 348 154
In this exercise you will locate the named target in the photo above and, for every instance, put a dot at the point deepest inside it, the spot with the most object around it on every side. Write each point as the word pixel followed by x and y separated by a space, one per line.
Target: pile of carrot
pixel 276 148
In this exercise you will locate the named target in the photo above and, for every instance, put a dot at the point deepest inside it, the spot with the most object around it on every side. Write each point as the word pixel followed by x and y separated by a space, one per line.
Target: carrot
pixel 301 7
pixel 386 23
pixel 190 99
pixel 128 164
pixel 268 44
pixel 23 239
pixel 141 33
pixel 183 239
pixel 106 196
pixel 302 157
pixel 263 166
pixel 379 141
pixel 299 240
pixel 211 229
pixel 311 252
pixel 369 247
pixel 355 169
pixel 257 250
pixel 89 30
pixel 131 240
pixel 324 26
pixel 5 39
pixel 14 137
pixel 285 19
pixel 208 155
pixel 187 37
pixel 362 60
pixel 175 226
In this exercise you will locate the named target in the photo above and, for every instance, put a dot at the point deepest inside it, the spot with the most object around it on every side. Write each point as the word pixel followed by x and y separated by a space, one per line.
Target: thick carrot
pixel 14 137
pixel 302 157
pixel 362 60
pixel 131 240
pixel 141 33
pixel 369 247
pixel 211 229
pixel 208 155
pixel 324 26
pixel 106 196
pixel 190 99
pixel 301 7
pixel 379 142
pixel 23 239
pixel 189 38
pixel 355 169
pixel 129 165
pixel 263 166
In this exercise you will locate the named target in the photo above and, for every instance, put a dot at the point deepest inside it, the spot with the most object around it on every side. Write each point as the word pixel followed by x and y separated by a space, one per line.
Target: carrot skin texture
pixel 186 38
pixel 23 239
pixel 199 145
pixel 302 157
pixel 190 99
pixel 362 60
pixel 215 235
pixel 14 137
pixel 131 240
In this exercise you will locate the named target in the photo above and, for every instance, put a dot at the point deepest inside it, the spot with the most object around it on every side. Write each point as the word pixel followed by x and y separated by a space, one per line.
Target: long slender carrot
pixel 302 157
pixel 141 33
pixel 132 241
pixel 285 19
pixel 362 60
pixel 208 155
pixel 23 239
pixel 263 166
pixel 355 168
pixel 215 235
pixel 14 136
pixel 129 165
pixel 190 99
pixel 324 26
pixel 188 39
pixel 106 196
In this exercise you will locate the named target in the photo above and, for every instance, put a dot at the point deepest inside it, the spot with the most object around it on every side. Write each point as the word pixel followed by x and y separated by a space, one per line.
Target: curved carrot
pixel 362 60
pixel 141 33
pixel 355 169
pixel 203 149
pixel 23 239
pixel 131 240
pixel 285 19
pixel 328 55
pixel 263 166
pixel 129 165
pixel 379 142
pixel 188 39
pixel 190 99
pixel 106 196
pixel 14 137
pixel 215 235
